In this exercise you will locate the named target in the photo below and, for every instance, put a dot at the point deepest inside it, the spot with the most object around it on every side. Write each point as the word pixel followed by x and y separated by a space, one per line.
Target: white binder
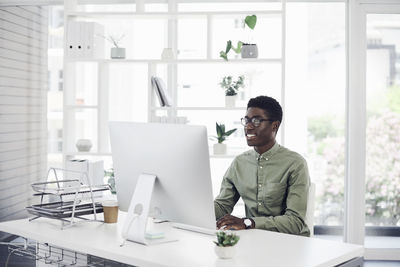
pixel 93 40
pixel 73 35
pixel 85 40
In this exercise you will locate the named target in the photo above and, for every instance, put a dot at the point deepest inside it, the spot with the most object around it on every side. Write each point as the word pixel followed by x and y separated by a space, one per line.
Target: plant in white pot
pixel 225 244
pixel 246 50
pixel 117 52
pixel 250 50
pixel 231 88
pixel 220 147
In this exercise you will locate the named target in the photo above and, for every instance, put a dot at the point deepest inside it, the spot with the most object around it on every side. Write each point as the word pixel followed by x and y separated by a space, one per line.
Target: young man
pixel 272 180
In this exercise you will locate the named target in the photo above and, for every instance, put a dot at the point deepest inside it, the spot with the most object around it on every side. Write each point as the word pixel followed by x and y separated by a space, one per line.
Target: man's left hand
pixel 231 223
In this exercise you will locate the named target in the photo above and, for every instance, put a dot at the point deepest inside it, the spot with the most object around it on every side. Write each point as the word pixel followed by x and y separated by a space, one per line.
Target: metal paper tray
pixel 65 187
pixel 63 209
pixel 57 187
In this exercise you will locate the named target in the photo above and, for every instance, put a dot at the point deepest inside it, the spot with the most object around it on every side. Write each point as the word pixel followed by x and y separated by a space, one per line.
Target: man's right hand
pixel 230 222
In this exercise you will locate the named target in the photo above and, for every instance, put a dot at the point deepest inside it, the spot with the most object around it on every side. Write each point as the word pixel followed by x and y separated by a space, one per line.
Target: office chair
pixel 310 209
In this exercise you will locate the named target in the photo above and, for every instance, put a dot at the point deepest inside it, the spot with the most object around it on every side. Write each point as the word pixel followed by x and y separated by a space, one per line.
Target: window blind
pixel 23 106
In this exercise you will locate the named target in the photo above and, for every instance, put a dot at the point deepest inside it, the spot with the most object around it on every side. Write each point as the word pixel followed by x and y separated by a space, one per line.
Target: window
pixel 315 101
pixel 382 131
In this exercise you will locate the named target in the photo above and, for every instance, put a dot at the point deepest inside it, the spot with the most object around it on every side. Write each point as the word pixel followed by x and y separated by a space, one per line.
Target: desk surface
pixel 255 248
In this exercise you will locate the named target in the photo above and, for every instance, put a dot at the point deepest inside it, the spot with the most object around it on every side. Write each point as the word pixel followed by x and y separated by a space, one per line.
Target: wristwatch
pixel 247 222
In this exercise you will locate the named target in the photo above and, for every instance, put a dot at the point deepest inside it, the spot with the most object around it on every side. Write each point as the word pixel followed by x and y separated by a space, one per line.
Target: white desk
pixel 255 248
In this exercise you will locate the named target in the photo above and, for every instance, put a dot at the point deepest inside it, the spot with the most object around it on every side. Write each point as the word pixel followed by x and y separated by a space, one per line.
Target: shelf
pixel 110 154
pixel 179 61
pixel 87 153
pixel 169 15
pixel 198 108
pixel 81 106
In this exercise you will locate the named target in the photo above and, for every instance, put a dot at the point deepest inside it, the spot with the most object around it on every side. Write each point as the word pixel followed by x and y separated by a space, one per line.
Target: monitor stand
pixel 134 228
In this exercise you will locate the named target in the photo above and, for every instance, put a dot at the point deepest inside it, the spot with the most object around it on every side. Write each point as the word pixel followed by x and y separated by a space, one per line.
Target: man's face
pixel 263 135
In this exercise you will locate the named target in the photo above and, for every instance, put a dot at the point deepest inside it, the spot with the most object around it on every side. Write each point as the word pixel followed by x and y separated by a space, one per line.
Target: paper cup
pixel 110 208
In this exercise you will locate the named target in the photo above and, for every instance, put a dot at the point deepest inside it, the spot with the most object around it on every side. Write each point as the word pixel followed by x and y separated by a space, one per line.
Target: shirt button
pixel 266 158
pixel 259 185
pixel 259 203
pixel 260 167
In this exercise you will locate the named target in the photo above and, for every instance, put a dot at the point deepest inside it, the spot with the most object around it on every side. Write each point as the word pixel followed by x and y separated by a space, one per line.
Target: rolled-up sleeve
pixel 228 195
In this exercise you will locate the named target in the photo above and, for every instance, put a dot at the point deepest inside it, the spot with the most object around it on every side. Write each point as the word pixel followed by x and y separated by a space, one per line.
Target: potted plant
pixel 220 147
pixel 245 49
pixel 250 50
pixel 117 52
pixel 231 88
pixel 111 179
pixel 225 244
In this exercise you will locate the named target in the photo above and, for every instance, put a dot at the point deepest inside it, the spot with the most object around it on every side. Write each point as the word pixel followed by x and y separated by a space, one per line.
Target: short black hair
pixel 271 107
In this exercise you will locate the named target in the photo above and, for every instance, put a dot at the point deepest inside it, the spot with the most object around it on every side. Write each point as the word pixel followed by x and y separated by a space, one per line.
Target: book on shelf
pixel 161 91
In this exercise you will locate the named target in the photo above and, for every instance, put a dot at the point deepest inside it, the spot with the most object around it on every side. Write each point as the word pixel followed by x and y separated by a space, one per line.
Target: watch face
pixel 247 222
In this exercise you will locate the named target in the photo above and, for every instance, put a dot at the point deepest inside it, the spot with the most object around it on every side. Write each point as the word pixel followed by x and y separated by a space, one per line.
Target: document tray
pixel 66 187
pixel 59 210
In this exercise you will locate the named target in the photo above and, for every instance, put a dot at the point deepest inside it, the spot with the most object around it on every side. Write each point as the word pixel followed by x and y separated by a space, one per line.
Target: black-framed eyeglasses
pixel 254 121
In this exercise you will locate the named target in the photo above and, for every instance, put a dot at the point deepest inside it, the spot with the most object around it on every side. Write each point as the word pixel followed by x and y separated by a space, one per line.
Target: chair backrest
pixel 310 209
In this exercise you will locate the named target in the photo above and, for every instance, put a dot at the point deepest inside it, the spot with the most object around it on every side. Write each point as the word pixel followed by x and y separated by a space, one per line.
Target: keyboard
pixel 194 228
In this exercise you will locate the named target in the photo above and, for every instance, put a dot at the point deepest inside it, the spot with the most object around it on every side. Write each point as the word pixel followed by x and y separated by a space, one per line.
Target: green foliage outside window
pixel 382 164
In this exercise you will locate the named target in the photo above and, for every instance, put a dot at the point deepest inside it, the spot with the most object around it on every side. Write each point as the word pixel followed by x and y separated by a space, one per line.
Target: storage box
pixel 93 169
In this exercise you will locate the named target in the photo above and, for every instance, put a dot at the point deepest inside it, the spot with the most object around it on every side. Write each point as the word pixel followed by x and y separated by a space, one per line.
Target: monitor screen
pixel 178 155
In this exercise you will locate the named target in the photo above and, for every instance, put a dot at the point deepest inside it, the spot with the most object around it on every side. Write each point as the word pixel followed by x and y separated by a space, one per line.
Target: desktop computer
pixel 177 155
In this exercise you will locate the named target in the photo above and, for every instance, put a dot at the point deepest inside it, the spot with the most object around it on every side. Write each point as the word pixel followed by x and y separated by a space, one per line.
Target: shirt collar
pixel 267 154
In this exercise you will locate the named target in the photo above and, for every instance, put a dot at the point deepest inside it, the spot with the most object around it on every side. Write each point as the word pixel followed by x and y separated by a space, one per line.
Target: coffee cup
pixel 110 209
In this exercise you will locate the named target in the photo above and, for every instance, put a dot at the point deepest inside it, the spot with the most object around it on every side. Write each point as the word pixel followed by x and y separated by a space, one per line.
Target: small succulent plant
pixel 225 239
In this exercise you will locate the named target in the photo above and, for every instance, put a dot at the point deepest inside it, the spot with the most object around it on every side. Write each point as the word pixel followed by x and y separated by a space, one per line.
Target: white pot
pixel 225 252
pixel 117 52
pixel 249 51
pixel 230 101
pixel 219 148
pixel 83 145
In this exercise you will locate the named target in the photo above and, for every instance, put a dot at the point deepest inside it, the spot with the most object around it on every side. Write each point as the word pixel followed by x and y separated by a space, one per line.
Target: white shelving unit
pixel 179 61
pixel 100 110
pixel 170 15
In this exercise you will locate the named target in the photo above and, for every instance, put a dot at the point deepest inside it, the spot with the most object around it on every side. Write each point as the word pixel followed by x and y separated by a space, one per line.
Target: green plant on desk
pixel 226 239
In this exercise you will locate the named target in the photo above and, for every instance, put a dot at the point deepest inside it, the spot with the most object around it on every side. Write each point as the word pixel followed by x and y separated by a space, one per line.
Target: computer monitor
pixel 178 155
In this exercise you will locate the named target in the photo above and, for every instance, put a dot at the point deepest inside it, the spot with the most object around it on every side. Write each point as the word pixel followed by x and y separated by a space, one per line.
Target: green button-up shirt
pixel 273 186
